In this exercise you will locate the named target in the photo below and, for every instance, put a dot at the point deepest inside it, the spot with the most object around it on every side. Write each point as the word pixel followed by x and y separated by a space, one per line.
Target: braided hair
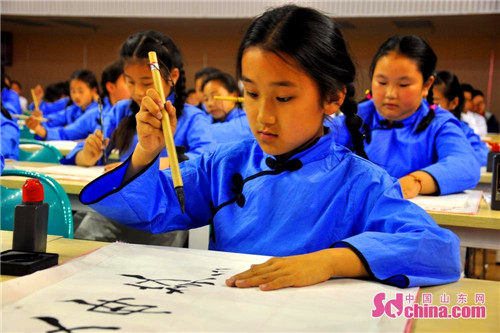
pixel 315 42
pixel 136 48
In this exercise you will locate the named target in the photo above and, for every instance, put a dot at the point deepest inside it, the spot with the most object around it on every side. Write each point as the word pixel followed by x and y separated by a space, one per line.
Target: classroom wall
pixel 41 57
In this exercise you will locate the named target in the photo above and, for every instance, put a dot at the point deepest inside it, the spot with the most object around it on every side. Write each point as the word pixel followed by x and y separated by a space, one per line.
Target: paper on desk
pixel 187 294
pixel 61 145
pixel 71 172
pixel 465 203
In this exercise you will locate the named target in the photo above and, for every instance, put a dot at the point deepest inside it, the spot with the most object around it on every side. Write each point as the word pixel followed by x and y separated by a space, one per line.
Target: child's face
pixel 192 99
pixel 139 79
pixel 217 109
pixel 398 87
pixel 119 90
pixel 439 98
pixel 281 101
pixel 479 106
pixel 81 94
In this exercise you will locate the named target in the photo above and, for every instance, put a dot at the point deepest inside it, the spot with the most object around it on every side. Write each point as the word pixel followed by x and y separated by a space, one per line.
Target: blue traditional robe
pixel 10 101
pixel 441 149
pixel 84 125
pixel 9 132
pixel 192 131
pixel 480 148
pixel 234 128
pixel 325 196
pixel 67 115
pixel 48 108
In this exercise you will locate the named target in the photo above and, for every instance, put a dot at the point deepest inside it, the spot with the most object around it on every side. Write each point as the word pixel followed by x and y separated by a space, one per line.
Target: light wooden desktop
pixel 71 248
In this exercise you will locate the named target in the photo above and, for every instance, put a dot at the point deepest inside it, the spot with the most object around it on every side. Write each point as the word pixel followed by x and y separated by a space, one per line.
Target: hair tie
pixel 368 94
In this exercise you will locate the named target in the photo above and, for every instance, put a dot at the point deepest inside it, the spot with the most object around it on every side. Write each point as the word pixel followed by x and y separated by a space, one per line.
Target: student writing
pixel 292 191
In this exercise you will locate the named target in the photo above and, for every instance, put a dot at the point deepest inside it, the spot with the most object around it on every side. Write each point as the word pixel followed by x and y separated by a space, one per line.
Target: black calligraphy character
pixel 54 322
pixel 121 307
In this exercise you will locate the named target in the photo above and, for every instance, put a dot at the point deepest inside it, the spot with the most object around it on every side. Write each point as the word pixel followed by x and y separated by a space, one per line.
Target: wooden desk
pixel 65 247
pixel 491 289
pixel 71 248
pixel 71 186
pixel 479 231
pixel 485 177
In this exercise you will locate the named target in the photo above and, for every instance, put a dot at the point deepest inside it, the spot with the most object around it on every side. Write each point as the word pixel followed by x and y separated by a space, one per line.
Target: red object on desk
pixel 32 191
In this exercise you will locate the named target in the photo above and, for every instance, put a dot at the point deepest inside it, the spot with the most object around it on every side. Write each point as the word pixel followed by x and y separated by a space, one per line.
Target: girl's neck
pixel 306 145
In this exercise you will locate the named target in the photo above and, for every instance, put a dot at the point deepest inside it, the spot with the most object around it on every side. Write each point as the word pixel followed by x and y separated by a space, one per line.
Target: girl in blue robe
pixel 229 122
pixel 9 132
pixel 114 90
pixel 448 94
pixel 424 147
pixel 84 92
pixel 193 136
pixel 291 192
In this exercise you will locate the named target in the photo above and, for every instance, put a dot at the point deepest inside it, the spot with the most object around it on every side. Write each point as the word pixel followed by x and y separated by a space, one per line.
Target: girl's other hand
pixel 92 150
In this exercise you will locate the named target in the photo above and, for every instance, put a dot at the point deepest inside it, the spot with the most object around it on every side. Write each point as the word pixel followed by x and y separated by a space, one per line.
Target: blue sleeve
pixel 2 163
pixel 56 119
pixel 71 157
pixel 10 140
pixel 79 129
pixel 480 148
pixel 399 243
pixel 10 101
pixel 124 202
pixel 453 153
pixel 49 108
pixel 199 137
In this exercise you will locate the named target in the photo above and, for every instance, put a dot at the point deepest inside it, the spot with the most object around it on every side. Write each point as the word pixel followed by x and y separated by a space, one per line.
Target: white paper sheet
pixel 72 172
pixel 465 203
pixel 203 304
pixel 61 145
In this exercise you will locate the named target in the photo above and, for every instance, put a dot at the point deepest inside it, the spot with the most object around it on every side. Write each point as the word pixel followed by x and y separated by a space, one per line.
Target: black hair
pixel 136 48
pixel 56 91
pixel 86 76
pixel 16 82
pixel 205 71
pixel 110 73
pixel 477 92
pixel 466 88
pixel 451 90
pixel 227 81
pixel 315 42
pixel 4 77
pixel 416 49
pixel 190 91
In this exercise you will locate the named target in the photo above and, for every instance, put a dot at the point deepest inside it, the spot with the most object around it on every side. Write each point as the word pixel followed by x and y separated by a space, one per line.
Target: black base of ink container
pixel 20 263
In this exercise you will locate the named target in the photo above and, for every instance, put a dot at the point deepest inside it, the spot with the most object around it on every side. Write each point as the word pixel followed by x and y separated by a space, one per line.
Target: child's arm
pixel 301 270
pixel 418 182
pixel 149 132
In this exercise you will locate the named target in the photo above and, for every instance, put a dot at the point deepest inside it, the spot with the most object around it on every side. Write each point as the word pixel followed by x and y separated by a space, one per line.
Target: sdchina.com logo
pixel 394 308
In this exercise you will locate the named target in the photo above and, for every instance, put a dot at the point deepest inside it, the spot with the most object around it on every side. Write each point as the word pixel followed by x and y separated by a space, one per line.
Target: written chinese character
pixel 117 306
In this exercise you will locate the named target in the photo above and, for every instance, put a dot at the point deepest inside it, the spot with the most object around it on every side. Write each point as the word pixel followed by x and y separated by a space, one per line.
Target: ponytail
pixel 353 121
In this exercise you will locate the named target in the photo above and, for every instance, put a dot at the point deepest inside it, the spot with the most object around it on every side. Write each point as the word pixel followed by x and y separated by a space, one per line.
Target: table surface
pixel 71 248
